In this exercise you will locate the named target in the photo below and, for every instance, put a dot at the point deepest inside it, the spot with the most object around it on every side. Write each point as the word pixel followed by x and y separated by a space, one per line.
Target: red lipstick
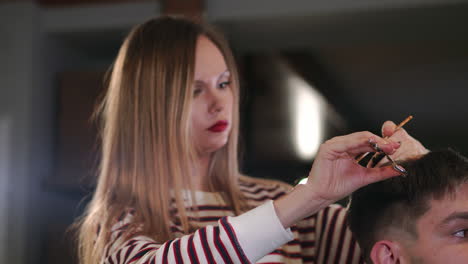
pixel 220 126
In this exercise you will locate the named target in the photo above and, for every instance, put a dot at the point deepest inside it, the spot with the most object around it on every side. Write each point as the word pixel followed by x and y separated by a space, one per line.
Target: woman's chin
pixel 213 147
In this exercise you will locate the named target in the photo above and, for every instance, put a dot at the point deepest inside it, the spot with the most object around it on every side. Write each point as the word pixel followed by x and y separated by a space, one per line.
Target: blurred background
pixel 310 70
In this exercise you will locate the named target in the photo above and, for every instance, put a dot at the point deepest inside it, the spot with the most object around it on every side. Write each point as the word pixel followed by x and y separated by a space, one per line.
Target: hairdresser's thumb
pixel 388 128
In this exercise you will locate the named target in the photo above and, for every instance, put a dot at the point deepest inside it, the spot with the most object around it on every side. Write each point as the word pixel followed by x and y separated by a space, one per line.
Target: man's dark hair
pixel 398 202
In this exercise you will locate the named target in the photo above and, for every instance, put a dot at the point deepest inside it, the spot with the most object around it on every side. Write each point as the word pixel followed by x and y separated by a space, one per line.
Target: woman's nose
pixel 217 102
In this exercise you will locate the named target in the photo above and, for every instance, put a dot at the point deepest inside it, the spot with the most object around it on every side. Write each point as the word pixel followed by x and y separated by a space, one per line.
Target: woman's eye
pixel 197 91
pixel 224 85
pixel 460 234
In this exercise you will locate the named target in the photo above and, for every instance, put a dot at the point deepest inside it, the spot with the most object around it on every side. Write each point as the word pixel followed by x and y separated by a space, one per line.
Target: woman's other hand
pixel 410 147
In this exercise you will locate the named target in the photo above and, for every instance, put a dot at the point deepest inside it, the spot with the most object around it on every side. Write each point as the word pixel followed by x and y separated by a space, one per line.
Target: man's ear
pixel 386 252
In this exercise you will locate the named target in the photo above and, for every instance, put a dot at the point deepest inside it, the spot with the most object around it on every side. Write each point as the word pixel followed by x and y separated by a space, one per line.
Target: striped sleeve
pixel 228 242
pixel 211 244
pixel 335 242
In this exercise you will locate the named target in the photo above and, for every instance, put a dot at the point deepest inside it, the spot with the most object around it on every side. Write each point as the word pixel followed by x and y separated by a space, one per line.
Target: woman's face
pixel 211 113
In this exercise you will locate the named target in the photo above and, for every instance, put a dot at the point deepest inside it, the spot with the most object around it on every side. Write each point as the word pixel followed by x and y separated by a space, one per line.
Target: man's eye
pixel 461 233
pixel 224 84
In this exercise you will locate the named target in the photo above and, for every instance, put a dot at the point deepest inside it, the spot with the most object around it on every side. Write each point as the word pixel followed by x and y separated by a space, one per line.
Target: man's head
pixel 420 218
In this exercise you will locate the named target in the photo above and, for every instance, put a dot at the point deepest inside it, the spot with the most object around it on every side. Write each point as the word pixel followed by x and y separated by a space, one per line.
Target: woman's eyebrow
pixel 226 72
pixel 199 82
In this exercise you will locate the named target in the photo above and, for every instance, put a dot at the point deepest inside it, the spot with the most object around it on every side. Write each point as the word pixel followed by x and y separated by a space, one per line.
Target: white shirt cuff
pixel 259 231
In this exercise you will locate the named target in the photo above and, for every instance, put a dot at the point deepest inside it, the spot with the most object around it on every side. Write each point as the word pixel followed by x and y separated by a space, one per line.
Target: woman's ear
pixel 386 252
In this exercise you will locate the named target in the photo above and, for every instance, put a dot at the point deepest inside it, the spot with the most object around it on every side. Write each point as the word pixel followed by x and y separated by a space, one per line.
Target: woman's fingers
pixel 335 174
pixel 359 142
pixel 380 174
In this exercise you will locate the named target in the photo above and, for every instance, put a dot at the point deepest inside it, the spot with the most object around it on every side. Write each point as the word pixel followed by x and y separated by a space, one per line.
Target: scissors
pixel 395 166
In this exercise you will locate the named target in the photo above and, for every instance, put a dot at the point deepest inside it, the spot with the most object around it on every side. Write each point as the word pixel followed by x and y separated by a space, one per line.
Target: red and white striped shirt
pixel 256 236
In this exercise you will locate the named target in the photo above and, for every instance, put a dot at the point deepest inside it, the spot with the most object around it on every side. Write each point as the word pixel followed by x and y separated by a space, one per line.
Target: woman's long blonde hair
pixel 146 143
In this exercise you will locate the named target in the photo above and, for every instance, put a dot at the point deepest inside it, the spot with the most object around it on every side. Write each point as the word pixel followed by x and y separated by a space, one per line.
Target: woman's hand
pixel 335 174
pixel 410 147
